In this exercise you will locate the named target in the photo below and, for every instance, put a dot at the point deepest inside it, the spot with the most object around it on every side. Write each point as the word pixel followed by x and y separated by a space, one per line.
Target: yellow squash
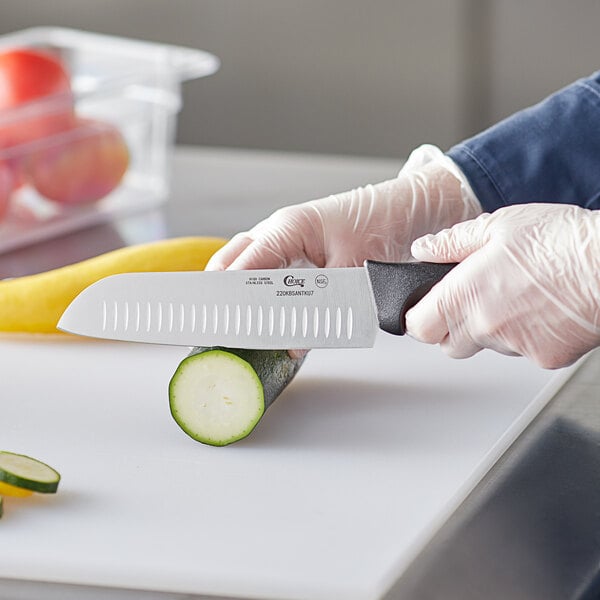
pixel 35 303
pixel 12 490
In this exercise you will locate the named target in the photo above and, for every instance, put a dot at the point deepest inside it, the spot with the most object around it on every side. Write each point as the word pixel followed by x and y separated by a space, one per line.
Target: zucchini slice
pixel 25 472
pixel 218 395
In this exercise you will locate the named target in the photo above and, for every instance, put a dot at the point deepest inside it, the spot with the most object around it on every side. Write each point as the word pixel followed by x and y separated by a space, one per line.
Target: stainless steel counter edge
pixel 35 590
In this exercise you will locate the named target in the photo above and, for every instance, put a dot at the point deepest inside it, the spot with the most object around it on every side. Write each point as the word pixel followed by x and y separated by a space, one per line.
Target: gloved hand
pixel 528 284
pixel 377 222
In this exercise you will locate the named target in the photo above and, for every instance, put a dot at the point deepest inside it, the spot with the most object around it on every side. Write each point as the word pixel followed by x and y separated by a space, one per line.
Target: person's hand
pixel 528 284
pixel 378 222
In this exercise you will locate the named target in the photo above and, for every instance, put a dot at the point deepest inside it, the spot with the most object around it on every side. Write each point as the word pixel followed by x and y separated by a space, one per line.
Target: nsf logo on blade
pixel 291 281
pixel 321 281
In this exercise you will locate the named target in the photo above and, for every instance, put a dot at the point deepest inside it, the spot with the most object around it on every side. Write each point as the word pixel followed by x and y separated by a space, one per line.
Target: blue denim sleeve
pixel 549 152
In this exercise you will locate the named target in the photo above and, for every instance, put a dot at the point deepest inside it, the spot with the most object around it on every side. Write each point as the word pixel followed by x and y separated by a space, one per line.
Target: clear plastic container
pixel 120 89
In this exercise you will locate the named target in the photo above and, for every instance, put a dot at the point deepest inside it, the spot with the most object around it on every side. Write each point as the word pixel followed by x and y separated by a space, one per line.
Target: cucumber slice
pixel 26 472
pixel 218 395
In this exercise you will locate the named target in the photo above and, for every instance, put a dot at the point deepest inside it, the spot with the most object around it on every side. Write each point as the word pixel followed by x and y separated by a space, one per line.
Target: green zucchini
pixel 28 473
pixel 218 395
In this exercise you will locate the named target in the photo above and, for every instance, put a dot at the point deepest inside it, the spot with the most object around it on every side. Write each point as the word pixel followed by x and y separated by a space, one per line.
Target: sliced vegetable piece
pixel 1 506
pixel 14 491
pixel 218 395
pixel 29 473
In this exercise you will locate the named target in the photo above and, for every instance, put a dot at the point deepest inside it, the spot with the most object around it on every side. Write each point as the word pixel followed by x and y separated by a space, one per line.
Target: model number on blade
pixel 295 292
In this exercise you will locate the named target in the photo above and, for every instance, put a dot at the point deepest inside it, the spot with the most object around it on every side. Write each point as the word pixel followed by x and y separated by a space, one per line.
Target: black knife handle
pixel 399 286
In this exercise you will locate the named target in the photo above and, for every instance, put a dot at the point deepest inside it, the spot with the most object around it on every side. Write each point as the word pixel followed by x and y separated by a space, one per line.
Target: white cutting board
pixel 343 481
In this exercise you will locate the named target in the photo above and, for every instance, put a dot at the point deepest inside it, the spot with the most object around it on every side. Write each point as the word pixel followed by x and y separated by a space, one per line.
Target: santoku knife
pixel 283 308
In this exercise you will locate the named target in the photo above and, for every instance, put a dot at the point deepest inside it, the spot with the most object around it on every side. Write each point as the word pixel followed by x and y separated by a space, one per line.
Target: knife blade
pixel 270 309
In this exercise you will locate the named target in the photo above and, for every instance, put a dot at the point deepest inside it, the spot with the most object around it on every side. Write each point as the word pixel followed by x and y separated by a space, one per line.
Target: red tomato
pixel 81 166
pixel 27 75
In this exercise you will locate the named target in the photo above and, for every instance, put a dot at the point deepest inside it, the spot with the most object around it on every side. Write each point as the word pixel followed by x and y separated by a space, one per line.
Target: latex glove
pixel 378 222
pixel 528 284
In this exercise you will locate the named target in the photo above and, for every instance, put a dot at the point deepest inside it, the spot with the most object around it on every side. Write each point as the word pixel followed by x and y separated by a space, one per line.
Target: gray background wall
pixel 364 77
